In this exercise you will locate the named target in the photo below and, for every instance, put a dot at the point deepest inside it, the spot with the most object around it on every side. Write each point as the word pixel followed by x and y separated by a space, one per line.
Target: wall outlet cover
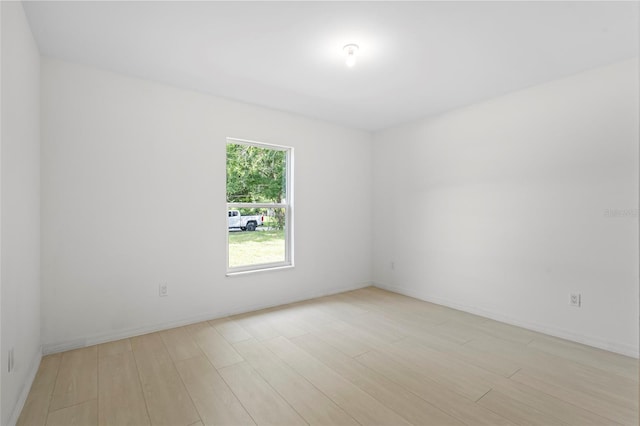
pixel 163 290
pixel 11 361
pixel 575 299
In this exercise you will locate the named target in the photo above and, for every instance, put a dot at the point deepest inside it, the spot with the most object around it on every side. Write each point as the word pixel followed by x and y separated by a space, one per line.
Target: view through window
pixel 259 215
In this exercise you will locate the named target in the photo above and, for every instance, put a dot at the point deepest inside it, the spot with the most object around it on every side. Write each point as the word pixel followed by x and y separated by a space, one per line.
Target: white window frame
pixel 287 205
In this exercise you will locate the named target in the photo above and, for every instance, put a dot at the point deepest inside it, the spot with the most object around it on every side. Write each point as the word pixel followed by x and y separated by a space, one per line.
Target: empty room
pixel 319 213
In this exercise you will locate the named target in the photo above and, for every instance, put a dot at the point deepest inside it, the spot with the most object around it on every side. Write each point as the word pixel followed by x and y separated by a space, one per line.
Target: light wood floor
pixel 366 357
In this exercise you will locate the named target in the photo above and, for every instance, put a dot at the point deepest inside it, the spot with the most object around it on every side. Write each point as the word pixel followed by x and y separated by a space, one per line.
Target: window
pixel 259 206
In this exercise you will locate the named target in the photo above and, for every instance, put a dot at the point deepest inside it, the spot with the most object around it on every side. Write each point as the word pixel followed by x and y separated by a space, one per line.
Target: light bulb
pixel 351 60
pixel 350 50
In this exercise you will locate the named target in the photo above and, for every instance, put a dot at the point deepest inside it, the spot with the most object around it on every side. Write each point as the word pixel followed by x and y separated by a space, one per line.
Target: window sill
pixel 254 271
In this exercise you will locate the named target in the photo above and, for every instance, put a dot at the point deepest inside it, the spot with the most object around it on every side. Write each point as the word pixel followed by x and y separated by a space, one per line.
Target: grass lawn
pixel 255 247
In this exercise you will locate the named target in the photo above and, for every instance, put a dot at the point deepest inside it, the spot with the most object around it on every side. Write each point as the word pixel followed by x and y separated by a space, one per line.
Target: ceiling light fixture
pixel 350 50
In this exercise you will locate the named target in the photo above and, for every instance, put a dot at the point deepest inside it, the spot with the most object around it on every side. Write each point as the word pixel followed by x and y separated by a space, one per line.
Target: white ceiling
pixel 416 58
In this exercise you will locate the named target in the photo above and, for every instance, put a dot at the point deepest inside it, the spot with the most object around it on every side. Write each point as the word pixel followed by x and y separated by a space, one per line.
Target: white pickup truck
pixel 244 223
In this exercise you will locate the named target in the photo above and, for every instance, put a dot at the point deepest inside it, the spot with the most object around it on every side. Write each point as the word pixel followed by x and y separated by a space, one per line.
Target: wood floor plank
pixel 568 413
pixel 215 347
pixel 506 331
pixel 113 348
pixel 360 405
pixel 339 309
pixel 414 409
pixel 180 342
pixel 214 400
pixel 257 325
pixel 609 393
pixel 458 381
pixel 455 330
pixel 308 313
pixel 461 316
pixel 167 400
pixel 284 324
pixel 422 314
pixel 614 363
pixel 405 309
pixel 427 311
pixel 307 400
pixel 493 362
pixel 262 402
pixel 623 415
pixel 409 320
pixel 543 361
pixel 516 411
pixel 450 402
pixel 419 334
pixel 367 356
pixel 378 325
pixel 230 330
pixel 344 344
pixel 358 334
pixel 83 414
pixel 47 373
pixel 77 379
pixel 120 398
pixel 35 410
pixel 36 406
pixel 314 325
pixel 363 303
pixel 457 376
pixel 388 299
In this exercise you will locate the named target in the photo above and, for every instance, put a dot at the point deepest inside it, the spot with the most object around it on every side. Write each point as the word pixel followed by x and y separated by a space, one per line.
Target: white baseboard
pixel 541 328
pixel 98 338
pixel 24 393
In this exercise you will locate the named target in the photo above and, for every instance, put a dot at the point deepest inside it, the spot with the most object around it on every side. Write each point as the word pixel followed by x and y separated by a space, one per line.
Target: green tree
pixel 256 175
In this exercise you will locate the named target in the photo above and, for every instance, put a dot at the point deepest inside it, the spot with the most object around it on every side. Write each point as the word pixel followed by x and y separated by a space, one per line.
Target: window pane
pixel 255 174
pixel 264 245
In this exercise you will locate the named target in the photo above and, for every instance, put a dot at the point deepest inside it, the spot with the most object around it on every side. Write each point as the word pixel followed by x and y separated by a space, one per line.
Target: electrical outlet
pixel 10 361
pixel 575 299
pixel 163 290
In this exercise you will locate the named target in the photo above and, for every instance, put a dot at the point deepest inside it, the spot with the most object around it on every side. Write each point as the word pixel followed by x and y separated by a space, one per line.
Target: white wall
pixel 133 195
pixel 1 118
pixel 499 208
pixel 20 208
